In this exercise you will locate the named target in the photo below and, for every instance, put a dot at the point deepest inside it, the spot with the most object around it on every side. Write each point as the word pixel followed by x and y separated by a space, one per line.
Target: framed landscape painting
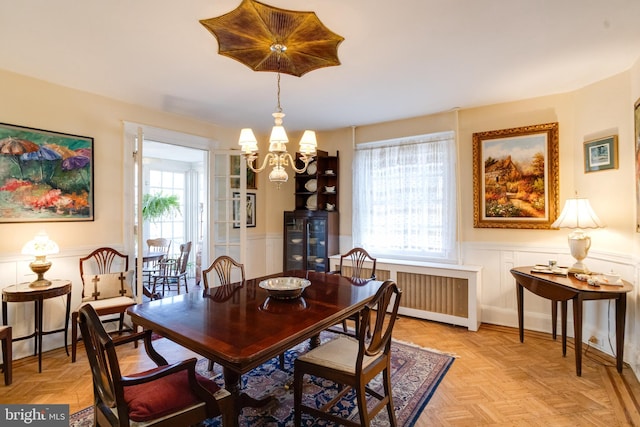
pixel 515 177
pixel 44 175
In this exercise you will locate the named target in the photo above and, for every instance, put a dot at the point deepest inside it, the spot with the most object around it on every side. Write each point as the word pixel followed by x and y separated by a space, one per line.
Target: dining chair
pixel 226 268
pixel 353 363
pixel 173 271
pixel 107 286
pixel 167 395
pixel 159 244
pixel 352 264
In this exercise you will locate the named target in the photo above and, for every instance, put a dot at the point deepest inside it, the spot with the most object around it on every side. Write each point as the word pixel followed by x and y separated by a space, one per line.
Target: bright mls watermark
pixel 34 415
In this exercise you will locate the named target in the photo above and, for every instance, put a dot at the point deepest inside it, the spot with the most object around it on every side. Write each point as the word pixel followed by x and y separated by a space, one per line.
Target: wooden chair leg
pixel 281 359
pixel 74 335
pixel 7 355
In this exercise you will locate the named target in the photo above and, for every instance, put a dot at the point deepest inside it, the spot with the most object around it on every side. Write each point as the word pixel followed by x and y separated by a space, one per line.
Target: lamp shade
pixel 41 245
pixel 577 213
pixel 308 143
pixel 248 141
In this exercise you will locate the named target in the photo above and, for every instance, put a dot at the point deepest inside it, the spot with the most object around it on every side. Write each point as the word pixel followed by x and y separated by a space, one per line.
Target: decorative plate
pixel 311 185
pixel 285 287
pixel 312 202
pixel 312 168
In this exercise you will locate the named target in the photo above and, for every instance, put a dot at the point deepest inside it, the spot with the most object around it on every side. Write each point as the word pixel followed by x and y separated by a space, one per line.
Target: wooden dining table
pixel 241 327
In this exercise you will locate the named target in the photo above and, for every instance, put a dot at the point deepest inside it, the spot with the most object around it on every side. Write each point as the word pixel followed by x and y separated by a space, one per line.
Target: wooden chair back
pixel 224 267
pixel 159 244
pixel 380 316
pixel 356 258
pixel 103 261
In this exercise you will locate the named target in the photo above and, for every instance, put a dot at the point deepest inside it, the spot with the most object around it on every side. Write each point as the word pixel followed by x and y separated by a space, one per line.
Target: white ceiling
pixel 399 59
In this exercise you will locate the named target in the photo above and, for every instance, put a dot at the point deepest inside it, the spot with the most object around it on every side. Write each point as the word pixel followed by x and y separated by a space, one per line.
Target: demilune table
pixel 22 292
pixel 564 288
pixel 240 327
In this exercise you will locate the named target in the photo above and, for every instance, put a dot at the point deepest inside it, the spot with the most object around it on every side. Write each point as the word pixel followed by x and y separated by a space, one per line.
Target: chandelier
pixel 278 157
pixel 267 38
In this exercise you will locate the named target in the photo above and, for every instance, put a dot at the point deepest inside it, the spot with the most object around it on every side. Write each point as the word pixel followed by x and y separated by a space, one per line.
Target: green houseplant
pixel 158 206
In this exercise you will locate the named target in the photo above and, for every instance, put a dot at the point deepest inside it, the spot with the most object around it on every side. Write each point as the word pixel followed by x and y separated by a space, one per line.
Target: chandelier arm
pixel 251 158
pixel 304 158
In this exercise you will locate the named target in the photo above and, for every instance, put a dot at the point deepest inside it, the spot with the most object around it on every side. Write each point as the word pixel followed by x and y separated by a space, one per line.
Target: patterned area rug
pixel 416 373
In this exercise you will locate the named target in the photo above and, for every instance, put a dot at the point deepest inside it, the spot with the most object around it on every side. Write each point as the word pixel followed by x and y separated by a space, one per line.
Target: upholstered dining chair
pixel 354 363
pixel 168 395
pixel 107 286
pixel 159 244
pixel 352 264
pixel 173 271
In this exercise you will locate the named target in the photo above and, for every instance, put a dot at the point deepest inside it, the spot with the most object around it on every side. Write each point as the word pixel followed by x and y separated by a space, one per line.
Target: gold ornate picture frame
pixel 515 177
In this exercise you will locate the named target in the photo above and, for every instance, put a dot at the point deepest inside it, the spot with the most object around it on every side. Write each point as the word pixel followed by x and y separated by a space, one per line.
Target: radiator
pixel 440 292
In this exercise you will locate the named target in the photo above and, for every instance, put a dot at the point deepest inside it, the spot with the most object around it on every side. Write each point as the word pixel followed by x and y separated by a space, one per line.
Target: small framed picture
pixel 601 154
pixel 250 206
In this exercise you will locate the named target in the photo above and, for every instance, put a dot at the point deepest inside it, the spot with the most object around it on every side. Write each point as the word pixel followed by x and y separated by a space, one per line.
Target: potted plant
pixel 158 206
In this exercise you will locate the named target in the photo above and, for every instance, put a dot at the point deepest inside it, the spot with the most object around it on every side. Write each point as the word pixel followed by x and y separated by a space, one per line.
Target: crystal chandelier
pixel 278 157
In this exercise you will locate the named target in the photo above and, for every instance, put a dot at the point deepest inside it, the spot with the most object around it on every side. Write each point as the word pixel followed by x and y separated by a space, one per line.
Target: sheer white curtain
pixel 404 200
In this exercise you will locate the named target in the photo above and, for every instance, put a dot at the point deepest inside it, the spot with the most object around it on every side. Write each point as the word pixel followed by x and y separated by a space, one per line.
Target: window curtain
pixel 404 202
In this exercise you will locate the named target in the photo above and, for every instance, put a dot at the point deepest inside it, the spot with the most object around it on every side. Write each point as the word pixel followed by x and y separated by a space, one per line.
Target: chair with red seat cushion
pixel 168 395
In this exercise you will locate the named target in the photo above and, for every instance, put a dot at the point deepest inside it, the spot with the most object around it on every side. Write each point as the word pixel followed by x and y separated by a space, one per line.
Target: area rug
pixel 416 373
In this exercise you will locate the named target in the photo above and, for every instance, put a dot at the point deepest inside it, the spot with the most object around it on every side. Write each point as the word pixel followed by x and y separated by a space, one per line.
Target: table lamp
pixel 40 247
pixel 578 214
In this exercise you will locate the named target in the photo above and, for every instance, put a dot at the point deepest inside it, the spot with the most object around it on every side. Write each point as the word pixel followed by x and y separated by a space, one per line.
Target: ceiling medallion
pixel 267 38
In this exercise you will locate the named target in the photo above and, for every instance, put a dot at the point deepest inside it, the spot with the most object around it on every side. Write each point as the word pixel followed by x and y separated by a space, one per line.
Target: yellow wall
pixel 38 104
pixel 600 109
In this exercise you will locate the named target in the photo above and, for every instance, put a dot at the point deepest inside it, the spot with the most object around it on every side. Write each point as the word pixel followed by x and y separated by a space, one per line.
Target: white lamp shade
pixel 308 142
pixel 577 213
pixel 278 137
pixel 248 141
pixel 41 245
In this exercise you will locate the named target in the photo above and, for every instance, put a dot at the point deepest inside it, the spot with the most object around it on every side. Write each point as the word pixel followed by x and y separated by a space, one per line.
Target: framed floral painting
pixel 515 178
pixel 45 176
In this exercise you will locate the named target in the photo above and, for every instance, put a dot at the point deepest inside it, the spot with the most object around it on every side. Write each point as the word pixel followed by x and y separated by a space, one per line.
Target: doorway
pixel 177 173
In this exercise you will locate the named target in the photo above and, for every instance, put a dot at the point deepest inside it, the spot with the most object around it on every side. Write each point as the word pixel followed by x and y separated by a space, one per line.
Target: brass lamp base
pixel 40 266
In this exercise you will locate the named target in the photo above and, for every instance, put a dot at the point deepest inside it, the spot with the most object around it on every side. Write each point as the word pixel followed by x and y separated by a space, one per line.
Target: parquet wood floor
pixel 494 381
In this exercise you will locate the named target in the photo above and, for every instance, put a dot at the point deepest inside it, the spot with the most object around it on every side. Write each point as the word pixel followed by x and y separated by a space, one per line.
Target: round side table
pixel 21 292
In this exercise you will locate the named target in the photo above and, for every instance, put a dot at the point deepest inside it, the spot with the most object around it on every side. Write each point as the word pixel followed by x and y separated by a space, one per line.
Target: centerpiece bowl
pixel 284 287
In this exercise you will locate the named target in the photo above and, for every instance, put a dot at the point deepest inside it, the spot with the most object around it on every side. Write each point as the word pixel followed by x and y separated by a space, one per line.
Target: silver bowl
pixel 284 287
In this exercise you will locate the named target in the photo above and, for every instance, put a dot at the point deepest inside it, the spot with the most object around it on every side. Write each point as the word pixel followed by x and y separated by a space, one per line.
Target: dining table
pixel 241 326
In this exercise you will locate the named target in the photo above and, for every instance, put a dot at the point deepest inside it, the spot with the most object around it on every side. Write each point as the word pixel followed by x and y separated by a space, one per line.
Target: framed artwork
pixel 515 177
pixel 601 154
pixel 235 170
pixel 250 206
pixel 45 176
pixel 636 134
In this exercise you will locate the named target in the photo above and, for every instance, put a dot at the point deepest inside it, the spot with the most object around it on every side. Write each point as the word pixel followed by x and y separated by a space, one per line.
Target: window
pixel 404 198
pixel 167 183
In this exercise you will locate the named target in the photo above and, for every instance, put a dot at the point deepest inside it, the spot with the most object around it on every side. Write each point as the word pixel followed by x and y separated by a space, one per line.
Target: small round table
pixel 22 292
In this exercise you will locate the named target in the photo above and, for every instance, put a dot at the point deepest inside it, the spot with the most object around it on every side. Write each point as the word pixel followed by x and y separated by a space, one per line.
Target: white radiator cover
pixel 447 293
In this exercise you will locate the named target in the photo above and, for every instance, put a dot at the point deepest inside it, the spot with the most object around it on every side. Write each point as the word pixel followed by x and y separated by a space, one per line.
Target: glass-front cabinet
pixel 310 237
